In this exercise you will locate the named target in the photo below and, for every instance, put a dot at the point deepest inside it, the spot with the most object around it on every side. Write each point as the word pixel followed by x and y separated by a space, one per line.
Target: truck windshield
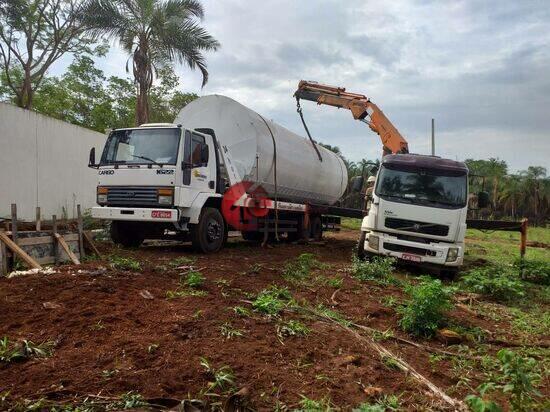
pixel 435 188
pixel 142 146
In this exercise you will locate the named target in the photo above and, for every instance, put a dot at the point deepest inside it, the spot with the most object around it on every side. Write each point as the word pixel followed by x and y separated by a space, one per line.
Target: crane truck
pixel 419 203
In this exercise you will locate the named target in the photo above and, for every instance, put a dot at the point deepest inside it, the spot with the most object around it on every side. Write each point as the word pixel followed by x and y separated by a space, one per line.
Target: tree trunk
pixel 143 75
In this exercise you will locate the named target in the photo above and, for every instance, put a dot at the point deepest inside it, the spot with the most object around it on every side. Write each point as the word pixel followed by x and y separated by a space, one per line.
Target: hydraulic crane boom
pixel 362 109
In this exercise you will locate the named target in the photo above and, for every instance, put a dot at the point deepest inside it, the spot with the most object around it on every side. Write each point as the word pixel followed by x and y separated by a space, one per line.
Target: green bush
pixel 425 311
pixel 534 271
pixel 301 267
pixel 378 268
pixel 497 281
pixel 517 377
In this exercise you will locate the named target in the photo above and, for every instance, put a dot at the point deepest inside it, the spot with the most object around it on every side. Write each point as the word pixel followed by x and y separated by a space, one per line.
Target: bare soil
pixel 110 339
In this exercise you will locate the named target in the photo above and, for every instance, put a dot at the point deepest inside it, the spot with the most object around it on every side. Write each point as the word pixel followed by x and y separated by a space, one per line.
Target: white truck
pixel 417 210
pixel 221 166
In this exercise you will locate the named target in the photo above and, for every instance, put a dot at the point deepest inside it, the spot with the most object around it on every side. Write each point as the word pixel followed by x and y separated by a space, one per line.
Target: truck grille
pixel 417 227
pixel 132 196
pixel 409 249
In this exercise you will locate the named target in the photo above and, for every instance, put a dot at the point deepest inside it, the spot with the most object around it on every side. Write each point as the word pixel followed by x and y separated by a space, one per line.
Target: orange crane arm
pixel 361 108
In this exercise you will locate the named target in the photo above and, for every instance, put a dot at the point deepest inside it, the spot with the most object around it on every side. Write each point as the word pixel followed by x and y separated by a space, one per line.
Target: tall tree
pixel 156 34
pixel 34 34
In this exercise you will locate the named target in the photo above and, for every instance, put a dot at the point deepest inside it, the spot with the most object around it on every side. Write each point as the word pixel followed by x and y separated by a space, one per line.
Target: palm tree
pixel 155 33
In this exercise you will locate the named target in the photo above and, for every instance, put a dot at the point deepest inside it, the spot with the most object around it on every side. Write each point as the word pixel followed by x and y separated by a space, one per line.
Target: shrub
pixel 425 311
pixel 193 279
pixel 534 271
pixel 517 376
pixel 497 281
pixel 378 268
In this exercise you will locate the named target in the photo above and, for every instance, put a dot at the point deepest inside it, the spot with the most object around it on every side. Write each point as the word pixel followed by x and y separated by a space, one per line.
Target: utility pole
pixel 433 137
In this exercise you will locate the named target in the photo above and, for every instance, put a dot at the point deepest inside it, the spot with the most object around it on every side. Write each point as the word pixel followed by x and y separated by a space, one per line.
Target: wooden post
pixel 33 264
pixel 3 260
pixel 14 222
pixel 523 245
pixel 38 222
pixel 55 243
pixel 80 234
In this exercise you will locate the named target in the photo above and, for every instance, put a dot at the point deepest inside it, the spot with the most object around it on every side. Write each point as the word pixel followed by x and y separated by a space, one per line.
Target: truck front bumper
pixel 432 253
pixel 135 214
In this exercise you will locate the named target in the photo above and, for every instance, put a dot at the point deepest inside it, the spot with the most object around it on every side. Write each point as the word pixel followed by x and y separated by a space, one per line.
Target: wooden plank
pixel 14 222
pixel 80 226
pixel 19 252
pixel 38 221
pixel 67 249
pixel 44 240
pixel 3 260
pixel 91 243
pixel 55 245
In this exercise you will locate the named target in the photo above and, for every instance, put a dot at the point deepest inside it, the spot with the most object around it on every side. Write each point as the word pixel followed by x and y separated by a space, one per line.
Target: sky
pixel 481 69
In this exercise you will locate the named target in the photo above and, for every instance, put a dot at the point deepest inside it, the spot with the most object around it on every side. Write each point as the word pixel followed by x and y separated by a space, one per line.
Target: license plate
pixel 161 214
pixel 411 258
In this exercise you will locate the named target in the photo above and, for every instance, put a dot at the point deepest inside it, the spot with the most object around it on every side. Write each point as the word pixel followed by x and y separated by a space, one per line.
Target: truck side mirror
pixel 483 200
pixel 91 159
pixel 357 184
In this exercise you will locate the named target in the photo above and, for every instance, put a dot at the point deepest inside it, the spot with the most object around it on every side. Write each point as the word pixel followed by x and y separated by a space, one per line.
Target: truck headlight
pixel 102 195
pixel 374 242
pixel 165 196
pixel 452 254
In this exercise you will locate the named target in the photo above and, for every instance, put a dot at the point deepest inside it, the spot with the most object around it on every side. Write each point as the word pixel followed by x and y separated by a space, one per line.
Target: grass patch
pixel 384 403
pixel 312 405
pixel 292 328
pixel 350 223
pixel 272 300
pixel 124 263
pixel 241 311
pixel 500 282
pixel 12 352
pixel 182 261
pixel 228 331
pixel 425 311
pixel 534 271
pixel 301 267
pixel 378 269
pixel 222 379
pixel 193 279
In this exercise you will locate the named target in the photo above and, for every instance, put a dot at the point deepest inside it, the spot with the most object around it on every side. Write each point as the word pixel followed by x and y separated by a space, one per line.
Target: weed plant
pixel 272 300
pixel 222 379
pixel 378 269
pixel 123 263
pixel 502 283
pixel 534 271
pixel 292 328
pixel 301 267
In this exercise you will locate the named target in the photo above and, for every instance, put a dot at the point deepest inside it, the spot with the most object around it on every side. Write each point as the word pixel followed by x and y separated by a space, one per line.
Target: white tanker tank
pixel 256 146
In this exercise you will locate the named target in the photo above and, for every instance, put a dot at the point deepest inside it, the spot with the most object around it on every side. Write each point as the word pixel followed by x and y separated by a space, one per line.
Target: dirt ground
pixel 115 331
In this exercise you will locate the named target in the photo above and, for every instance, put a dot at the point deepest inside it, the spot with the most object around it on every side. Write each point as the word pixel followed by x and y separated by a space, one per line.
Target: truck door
pixel 199 162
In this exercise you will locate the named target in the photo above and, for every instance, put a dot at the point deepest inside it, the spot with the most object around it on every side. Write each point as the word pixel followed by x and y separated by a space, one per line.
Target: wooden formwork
pixel 42 246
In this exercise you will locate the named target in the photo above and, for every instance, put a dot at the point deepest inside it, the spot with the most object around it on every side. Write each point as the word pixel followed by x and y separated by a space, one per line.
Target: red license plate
pixel 411 258
pixel 161 214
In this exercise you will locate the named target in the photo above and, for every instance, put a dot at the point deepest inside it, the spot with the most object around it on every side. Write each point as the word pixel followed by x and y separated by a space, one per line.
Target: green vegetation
pixel 182 261
pixel 222 379
pixel 11 352
pixel 292 328
pixel 130 400
pixel 272 300
pixel 534 271
pixel 228 331
pixel 383 404
pixel 500 282
pixel 241 311
pixel 301 267
pixel 517 378
pixel 311 405
pixel 378 269
pixel 351 223
pixel 425 311
pixel 124 263
pixel 194 279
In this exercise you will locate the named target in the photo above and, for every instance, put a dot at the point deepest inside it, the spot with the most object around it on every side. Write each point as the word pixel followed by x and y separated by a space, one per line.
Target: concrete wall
pixel 43 162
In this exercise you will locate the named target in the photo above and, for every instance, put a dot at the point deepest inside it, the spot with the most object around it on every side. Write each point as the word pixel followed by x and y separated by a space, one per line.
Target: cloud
pixel 479 68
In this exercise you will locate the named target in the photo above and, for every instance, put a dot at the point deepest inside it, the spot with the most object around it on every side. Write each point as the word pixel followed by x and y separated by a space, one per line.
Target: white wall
pixel 43 162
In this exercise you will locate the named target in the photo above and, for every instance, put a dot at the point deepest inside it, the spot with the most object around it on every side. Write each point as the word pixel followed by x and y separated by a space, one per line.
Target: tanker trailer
pixel 219 167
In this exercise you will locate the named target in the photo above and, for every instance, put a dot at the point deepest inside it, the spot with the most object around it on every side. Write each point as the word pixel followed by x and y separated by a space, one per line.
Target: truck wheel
pixel 126 234
pixel 316 228
pixel 361 246
pixel 210 234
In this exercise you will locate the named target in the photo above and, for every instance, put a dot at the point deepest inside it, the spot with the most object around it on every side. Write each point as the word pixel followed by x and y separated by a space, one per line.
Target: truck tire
pixel 210 234
pixel 361 246
pixel 316 228
pixel 126 234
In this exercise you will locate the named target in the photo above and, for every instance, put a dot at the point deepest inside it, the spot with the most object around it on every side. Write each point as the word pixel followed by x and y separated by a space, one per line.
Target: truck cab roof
pixel 425 162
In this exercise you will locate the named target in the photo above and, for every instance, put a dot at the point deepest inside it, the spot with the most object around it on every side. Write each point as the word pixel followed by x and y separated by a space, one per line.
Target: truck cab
pixel 418 211
pixel 160 180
